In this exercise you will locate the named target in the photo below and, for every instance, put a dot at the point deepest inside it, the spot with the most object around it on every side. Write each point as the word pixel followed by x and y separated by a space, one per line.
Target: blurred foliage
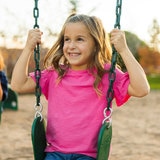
pixel 75 5
pixel 154 81
pixel 134 43
pixel 150 60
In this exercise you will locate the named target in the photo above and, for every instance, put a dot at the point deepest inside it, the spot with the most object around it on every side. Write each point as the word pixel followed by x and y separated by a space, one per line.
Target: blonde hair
pixel 99 58
pixel 2 65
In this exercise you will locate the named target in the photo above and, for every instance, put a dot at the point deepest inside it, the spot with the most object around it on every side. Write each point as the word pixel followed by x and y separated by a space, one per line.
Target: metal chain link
pixel 38 106
pixel 36 14
pixel 118 14
pixel 112 74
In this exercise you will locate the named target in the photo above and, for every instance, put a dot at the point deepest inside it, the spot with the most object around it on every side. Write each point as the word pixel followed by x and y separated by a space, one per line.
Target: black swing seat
pixel 38 138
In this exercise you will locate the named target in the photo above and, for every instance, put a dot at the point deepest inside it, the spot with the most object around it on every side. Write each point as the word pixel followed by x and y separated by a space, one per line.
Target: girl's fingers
pixel 118 39
pixel 34 38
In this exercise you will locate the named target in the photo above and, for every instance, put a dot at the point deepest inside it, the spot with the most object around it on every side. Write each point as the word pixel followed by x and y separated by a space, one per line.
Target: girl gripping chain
pixel 75 83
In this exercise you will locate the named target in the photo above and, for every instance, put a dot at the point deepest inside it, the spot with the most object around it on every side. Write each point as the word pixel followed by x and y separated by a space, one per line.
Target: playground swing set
pixel 38 125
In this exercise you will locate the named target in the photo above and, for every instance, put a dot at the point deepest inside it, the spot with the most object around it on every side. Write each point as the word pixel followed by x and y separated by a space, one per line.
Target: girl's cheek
pixel 64 46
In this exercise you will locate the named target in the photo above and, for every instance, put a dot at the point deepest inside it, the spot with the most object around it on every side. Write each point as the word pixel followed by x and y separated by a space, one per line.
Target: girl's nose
pixel 72 45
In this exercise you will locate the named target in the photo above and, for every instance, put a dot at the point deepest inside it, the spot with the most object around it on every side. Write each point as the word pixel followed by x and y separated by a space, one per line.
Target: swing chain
pixel 38 107
pixel 112 74
pixel 36 14
pixel 118 14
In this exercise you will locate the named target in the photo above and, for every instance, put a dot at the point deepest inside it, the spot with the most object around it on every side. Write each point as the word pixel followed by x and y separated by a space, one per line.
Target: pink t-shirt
pixel 75 111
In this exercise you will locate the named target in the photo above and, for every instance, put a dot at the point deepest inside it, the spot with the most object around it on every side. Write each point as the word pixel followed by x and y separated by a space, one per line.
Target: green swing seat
pixel 10 103
pixel 104 141
pixel 38 138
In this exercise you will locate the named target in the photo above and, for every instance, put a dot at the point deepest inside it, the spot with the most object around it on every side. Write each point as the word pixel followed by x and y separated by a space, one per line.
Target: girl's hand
pixel 34 38
pixel 118 39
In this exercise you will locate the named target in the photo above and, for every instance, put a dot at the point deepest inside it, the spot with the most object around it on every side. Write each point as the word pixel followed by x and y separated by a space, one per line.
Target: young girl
pixel 75 83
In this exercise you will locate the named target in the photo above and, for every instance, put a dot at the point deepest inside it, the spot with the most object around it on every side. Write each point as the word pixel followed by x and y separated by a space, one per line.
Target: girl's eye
pixel 80 39
pixel 66 39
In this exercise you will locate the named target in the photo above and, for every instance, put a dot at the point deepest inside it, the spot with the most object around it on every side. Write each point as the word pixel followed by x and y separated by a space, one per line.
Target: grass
pixel 154 81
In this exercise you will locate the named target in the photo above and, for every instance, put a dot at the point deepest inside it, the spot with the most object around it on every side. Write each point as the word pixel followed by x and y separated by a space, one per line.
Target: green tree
pixel 134 43
pixel 74 4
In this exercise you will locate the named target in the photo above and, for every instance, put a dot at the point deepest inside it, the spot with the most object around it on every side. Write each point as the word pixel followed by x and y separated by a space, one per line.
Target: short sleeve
pixel 121 87
pixel 44 81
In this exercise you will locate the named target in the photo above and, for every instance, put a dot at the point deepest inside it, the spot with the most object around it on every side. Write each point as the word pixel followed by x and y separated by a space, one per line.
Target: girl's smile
pixel 74 55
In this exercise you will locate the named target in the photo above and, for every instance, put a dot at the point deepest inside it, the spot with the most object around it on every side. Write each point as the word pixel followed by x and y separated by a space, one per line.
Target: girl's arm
pixel 20 81
pixel 139 85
